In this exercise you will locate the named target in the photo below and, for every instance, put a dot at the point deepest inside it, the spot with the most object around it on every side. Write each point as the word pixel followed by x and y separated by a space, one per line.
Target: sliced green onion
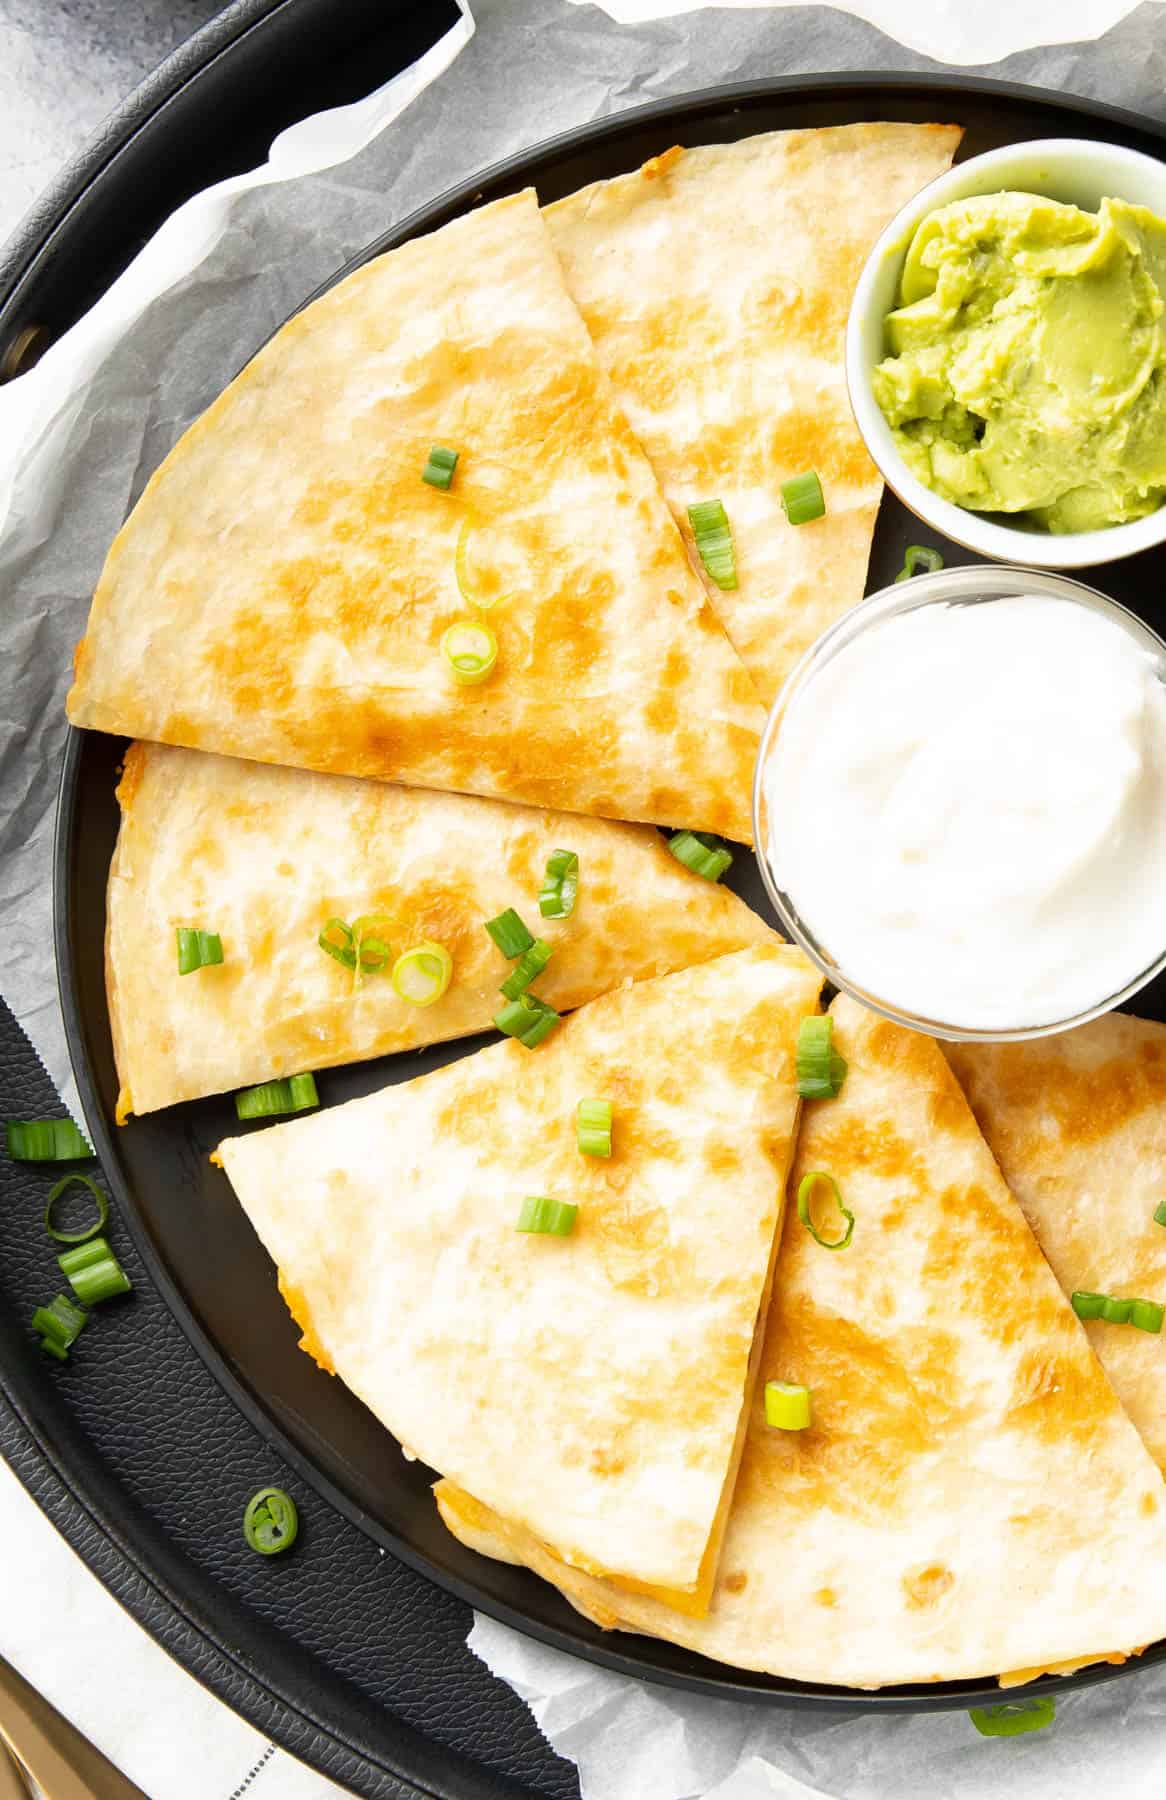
pixel 338 940
pixel 471 650
pixel 821 1071
pixel 1013 1717
pixel 919 556
pixel 45 1140
pixel 197 949
pixel 96 1224
pixel 528 1019
pixel 593 1127
pixel 1160 1213
pixel 510 934
pixel 560 888
pixel 802 498
pixel 529 966
pixel 805 1195
pixel 553 1217
pixel 714 541
pixel 423 973
pixel 1147 1315
pixel 439 468
pixel 60 1324
pixel 270 1521
pixel 93 1272
pixel 787 1405
pixel 703 854
pixel 374 953
pixel 290 1094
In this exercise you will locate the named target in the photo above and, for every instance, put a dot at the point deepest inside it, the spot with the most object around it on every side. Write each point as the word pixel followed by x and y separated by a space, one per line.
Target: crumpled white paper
pixel 952 31
pixel 79 436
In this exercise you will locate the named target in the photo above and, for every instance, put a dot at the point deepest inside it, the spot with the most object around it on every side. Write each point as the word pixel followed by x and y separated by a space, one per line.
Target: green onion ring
pixel 99 1223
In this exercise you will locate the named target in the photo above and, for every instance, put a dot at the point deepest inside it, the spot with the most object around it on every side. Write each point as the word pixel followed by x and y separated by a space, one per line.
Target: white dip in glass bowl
pixel 960 803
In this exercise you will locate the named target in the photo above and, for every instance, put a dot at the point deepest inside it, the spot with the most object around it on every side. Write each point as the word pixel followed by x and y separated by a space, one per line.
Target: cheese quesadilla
pixel 969 1498
pixel 267 856
pixel 715 283
pixel 590 1385
pixel 1077 1123
pixel 283 589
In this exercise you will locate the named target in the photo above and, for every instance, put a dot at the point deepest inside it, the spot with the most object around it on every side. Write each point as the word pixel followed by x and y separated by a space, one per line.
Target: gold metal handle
pixel 64 1764
pixel 12 1783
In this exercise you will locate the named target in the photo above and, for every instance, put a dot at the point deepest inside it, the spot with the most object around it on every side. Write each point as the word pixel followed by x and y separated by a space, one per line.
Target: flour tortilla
pixel 281 589
pixel 265 856
pixel 591 1386
pixel 715 283
pixel 970 1499
pixel 1077 1123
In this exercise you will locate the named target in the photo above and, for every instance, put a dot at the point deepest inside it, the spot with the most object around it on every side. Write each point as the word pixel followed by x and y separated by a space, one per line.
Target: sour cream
pixel 966 808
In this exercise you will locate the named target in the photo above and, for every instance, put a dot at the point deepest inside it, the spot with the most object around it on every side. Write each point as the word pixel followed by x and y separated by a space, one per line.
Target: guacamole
pixel 1027 360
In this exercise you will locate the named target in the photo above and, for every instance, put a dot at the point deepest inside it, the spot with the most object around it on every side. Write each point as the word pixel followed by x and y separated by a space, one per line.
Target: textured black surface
pixel 140 1458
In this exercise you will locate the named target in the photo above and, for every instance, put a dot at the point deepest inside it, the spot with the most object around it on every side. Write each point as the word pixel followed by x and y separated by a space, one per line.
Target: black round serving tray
pixel 339 1685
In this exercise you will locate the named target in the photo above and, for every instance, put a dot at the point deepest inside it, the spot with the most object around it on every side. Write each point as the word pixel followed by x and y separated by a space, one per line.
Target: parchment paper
pixel 79 436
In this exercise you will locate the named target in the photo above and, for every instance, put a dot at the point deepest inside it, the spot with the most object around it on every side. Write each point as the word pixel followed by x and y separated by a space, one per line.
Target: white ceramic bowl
pixel 1070 169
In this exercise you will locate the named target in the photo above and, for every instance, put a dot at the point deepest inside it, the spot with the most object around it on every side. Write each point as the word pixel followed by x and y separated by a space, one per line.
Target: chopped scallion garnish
pixel 821 1071
pixel 289 1094
pixel 197 949
pixel 510 934
pixel 1013 1717
pixel 787 1405
pixel 439 467
pixel 271 1521
pixel 919 556
pixel 471 650
pixel 59 1324
pixel 714 541
pixel 422 974
pixel 529 966
pixel 93 1272
pixel 802 498
pixel 593 1127
pixel 528 1019
pixel 560 888
pixel 45 1140
pixel 96 1224
pixel 1160 1213
pixel 555 1218
pixel 805 1197
pixel 1147 1315
pixel 362 946
pixel 703 854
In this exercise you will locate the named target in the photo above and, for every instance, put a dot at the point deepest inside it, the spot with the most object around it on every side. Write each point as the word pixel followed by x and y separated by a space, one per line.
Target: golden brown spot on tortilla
pixel 660 165
pixel 925 1587
pixel 568 637
pixel 825 1596
pixel 286 869
pixel 297 1306
pixel 1148 1503
pixel 871 1143
pixel 1083 1103
pixel 736 1582
pixel 1059 1397
pixel 607 1462
pixel 133 768
pixel 722 1157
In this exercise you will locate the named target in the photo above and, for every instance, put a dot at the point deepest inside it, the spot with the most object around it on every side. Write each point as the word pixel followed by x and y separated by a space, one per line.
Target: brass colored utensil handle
pixel 12 1783
pixel 57 1756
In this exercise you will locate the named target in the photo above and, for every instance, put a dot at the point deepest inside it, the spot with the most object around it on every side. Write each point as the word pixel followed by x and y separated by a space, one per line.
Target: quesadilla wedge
pixel 284 588
pixel 969 1498
pixel 265 857
pixel 592 1385
pixel 715 283
pixel 1077 1123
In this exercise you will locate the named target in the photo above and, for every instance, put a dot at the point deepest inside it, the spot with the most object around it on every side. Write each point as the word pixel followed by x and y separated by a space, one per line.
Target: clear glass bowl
pixel 962 586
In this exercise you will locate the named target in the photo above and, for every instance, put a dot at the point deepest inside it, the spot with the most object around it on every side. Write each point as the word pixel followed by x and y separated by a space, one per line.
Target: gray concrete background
pixel 65 64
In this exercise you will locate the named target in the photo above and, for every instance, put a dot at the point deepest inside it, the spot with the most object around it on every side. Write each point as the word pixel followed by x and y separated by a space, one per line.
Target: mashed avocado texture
pixel 1026 365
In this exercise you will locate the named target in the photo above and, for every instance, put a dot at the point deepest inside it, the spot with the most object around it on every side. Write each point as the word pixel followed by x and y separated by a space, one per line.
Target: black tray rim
pixel 721 1681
